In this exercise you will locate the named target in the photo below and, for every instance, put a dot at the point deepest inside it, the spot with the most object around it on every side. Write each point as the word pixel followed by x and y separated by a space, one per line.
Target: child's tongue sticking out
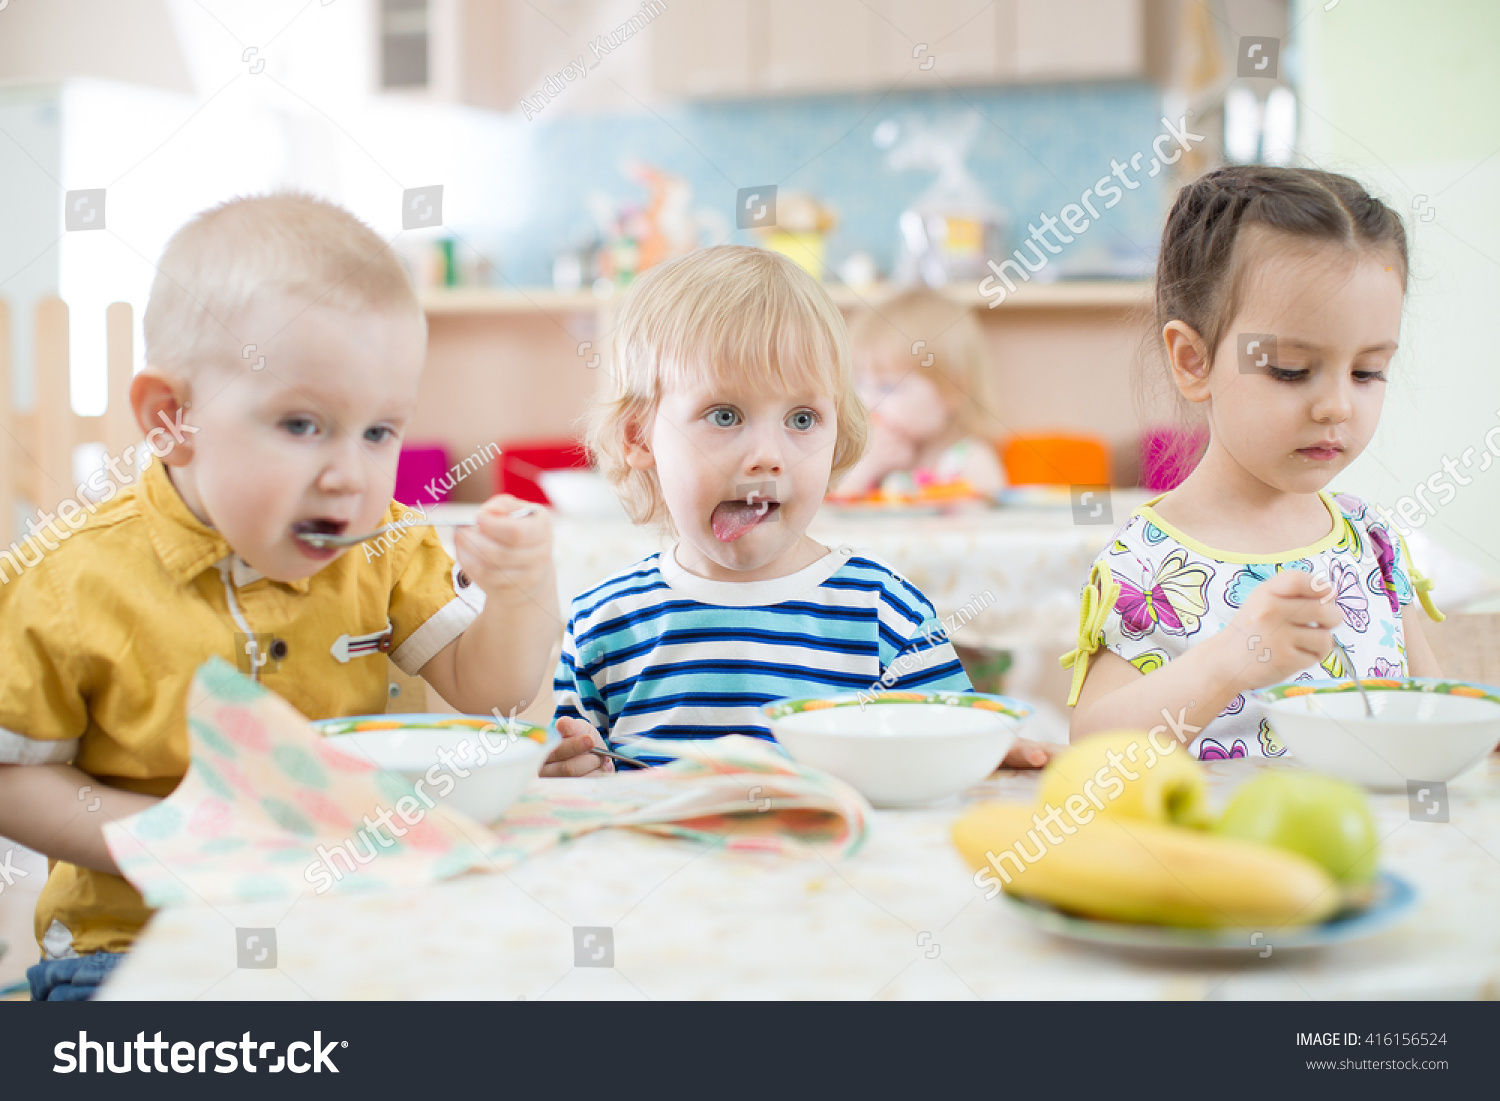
pixel 732 519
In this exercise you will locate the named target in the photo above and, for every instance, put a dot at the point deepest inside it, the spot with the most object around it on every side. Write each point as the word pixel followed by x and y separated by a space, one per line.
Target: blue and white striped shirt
pixel 658 652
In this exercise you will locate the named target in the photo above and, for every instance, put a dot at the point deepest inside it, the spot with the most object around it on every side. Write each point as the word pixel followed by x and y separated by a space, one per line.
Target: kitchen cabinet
pixel 822 47
pixel 1079 40
pixel 958 41
pixel 707 48
pixel 736 47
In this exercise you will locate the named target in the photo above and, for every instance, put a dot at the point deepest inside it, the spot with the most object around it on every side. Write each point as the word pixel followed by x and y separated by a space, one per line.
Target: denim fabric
pixel 75 980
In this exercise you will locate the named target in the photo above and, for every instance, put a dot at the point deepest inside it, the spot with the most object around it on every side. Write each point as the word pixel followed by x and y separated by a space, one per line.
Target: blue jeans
pixel 75 980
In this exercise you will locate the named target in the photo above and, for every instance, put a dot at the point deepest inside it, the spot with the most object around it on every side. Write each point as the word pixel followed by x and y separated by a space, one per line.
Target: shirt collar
pixel 185 544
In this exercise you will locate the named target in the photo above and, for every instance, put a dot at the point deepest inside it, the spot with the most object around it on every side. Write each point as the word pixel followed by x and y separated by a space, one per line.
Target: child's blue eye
pixel 299 426
pixel 723 417
pixel 802 420
pixel 379 433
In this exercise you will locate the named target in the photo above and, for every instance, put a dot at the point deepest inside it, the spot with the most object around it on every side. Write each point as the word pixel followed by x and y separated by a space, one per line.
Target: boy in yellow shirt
pixel 204 555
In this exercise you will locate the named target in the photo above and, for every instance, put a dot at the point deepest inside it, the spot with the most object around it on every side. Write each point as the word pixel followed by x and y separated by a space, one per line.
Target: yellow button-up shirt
pixel 99 641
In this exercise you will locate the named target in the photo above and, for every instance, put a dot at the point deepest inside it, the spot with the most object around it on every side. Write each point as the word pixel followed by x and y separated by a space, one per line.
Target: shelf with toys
pixel 1081 295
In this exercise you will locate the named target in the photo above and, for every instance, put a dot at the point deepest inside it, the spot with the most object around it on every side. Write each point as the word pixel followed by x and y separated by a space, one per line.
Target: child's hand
pixel 574 755
pixel 509 558
pixel 887 451
pixel 1024 754
pixel 897 448
pixel 1286 625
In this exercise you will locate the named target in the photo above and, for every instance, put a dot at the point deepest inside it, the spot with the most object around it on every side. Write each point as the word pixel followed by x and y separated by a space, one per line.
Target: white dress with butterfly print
pixel 1154 592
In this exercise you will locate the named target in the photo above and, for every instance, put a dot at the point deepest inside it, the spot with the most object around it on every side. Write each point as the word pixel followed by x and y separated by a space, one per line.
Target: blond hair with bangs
pixel 726 314
pixel 306 249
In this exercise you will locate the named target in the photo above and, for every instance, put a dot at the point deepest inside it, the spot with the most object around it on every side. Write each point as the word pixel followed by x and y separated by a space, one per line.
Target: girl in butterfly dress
pixel 1278 297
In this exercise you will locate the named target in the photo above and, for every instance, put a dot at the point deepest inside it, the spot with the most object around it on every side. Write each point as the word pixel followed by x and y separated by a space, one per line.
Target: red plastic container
pixel 521 461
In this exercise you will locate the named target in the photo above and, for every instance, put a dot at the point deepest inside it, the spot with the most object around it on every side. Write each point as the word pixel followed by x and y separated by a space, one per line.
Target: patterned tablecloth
pixel 899 919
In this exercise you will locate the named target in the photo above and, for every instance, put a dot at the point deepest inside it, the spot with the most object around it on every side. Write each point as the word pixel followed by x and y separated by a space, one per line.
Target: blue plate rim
pixel 1400 898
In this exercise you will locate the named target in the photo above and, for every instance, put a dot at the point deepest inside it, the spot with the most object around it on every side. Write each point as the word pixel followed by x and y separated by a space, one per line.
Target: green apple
pixel 1324 819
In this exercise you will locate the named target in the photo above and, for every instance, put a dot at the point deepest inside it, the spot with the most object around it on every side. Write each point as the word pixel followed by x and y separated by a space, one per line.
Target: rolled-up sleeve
pixel 43 709
pixel 432 602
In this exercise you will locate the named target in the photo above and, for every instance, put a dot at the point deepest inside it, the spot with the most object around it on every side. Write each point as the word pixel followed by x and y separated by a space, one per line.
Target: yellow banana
pixel 1120 869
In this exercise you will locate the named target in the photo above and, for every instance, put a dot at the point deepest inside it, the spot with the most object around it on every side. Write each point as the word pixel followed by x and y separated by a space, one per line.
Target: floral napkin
pixel 268 810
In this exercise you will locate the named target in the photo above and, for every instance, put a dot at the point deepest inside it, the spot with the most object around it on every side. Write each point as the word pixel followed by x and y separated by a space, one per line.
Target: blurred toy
pixel 919 368
pixel 630 237
pixel 951 228
pixel 801 229
pixel 1056 459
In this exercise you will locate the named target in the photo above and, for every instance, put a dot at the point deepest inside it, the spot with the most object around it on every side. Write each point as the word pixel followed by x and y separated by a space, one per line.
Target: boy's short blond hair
pixel 722 314
pixel 948 332
pixel 216 265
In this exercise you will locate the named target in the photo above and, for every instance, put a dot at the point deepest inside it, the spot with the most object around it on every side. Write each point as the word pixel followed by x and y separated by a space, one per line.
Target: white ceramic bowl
pixel 499 767
pixel 1424 728
pixel 901 748
pixel 581 493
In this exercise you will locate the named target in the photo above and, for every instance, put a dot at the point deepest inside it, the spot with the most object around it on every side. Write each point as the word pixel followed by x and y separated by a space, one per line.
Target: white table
pixel 900 919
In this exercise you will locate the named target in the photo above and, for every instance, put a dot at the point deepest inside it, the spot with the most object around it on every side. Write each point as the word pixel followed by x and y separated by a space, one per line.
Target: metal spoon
pixel 619 757
pixel 1354 672
pixel 321 540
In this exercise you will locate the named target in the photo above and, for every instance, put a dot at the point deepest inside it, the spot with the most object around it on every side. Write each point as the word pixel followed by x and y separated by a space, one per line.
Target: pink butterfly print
pixel 1352 507
pixel 1385 558
pixel 1210 750
pixel 1175 599
pixel 1139 611
pixel 1350 596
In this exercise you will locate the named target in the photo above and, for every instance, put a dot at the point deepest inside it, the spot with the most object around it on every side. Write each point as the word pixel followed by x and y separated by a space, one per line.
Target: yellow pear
pixel 1125 772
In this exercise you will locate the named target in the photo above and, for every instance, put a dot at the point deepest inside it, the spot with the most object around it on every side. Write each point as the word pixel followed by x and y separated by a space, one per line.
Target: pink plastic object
pixel 421 465
pixel 1168 455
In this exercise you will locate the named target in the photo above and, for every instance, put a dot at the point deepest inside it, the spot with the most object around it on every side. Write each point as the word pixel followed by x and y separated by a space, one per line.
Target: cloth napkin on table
pixel 734 790
pixel 266 801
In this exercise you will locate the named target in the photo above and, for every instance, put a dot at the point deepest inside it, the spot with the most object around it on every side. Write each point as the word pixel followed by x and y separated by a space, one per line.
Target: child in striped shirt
pixel 729 409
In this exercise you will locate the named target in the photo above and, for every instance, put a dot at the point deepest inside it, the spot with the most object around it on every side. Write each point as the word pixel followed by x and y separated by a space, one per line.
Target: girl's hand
pixel 574 755
pixel 887 451
pixel 509 558
pixel 1024 754
pixel 1286 625
pixel 897 449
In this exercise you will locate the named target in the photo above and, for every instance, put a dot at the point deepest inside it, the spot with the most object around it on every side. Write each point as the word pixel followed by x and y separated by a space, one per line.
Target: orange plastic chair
pixel 1056 460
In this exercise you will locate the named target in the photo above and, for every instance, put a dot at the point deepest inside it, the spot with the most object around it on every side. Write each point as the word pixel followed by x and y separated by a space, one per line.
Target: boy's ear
pixel 160 401
pixel 1188 356
pixel 638 453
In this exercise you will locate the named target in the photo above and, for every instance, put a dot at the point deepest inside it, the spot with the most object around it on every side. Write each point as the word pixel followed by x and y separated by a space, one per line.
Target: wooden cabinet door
pixel 708 48
pixel 958 41
pixel 1079 40
pixel 820 46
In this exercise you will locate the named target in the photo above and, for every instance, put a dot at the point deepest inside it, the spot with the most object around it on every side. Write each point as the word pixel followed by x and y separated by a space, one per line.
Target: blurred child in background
pixel 920 369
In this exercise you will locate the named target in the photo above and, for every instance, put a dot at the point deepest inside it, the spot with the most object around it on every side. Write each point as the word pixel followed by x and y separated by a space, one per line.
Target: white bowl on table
pixel 1424 729
pixel 583 494
pixel 900 749
pixel 499 766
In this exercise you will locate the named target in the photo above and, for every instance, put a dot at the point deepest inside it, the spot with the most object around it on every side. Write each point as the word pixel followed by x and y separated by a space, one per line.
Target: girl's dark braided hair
pixel 1196 277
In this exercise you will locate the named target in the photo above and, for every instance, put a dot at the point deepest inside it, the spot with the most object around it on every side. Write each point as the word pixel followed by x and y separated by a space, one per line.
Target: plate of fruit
pixel 1122 848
